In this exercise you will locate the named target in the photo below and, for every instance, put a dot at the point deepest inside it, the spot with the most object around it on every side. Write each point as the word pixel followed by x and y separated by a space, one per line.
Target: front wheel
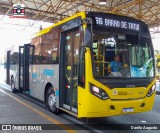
pixel 13 86
pixel 51 101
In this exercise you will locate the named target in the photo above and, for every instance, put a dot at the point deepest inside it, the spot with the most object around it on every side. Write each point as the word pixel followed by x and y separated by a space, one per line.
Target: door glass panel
pixel 68 73
pixel 71 57
pixel 76 40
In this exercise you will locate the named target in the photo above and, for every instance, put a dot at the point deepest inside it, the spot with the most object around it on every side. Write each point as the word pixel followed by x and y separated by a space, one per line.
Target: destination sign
pixel 108 22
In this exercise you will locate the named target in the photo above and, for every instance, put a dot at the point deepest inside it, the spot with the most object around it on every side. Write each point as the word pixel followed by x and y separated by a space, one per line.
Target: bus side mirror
pixel 88 37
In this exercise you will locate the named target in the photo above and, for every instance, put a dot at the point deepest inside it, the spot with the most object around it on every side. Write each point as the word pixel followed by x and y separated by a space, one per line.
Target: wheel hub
pixel 52 102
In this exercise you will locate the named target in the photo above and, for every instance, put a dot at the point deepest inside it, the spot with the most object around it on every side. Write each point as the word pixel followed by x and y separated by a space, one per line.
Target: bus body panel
pixel 125 98
pixel 40 75
pixel 100 108
pixel 81 101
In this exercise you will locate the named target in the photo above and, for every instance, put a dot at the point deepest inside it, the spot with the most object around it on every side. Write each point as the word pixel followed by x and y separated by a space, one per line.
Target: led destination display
pixel 117 23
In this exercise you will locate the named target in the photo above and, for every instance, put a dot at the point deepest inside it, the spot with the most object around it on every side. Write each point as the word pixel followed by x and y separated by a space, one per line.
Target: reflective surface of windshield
pixel 121 55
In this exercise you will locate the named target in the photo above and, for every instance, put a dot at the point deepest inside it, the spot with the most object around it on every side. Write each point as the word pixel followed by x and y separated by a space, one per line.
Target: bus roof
pixel 46 30
pixel 83 15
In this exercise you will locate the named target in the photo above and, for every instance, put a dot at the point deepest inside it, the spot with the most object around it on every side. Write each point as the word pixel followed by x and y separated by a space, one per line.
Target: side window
pixel 31 55
pixel 50 47
pixel 47 48
pixel 14 59
pixel 37 52
pixel 55 46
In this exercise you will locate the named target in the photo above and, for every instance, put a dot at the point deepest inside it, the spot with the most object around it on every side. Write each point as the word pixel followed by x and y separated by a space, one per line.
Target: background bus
pixel 68 66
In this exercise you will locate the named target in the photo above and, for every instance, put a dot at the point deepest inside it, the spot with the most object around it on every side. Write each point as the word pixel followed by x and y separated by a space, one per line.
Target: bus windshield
pixel 122 55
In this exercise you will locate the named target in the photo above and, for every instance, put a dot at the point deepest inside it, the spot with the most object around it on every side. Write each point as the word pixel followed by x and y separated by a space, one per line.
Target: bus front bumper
pixel 101 108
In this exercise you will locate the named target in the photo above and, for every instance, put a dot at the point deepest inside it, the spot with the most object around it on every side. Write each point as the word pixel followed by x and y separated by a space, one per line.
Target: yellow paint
pixel 44 31
pixel 40 113
pixel 92 106
pixel 81 101
pixel 68 67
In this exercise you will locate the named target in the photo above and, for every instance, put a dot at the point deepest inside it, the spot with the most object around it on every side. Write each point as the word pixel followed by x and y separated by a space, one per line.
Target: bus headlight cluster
pixel 151 90
pixel 99 92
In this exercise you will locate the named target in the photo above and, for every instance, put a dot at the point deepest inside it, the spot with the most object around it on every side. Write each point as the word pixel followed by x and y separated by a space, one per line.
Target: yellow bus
pixel 91 64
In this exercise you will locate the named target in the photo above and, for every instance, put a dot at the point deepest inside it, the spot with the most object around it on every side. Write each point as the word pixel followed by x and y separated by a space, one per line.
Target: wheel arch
pixel 47 86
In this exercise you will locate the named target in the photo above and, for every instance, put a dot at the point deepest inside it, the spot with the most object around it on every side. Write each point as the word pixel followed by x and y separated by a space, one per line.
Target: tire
pixel 51 101
pixel 13 86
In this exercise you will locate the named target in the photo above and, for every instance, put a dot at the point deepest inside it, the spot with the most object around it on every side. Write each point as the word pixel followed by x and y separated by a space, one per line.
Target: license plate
pixel 127 110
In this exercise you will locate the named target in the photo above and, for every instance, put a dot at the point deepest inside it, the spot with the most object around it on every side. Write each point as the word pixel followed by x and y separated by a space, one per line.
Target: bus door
pixel 69 67
pixel 25 59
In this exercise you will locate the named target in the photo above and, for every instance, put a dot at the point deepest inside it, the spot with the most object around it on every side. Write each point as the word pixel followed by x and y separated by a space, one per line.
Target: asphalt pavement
pixel 16 109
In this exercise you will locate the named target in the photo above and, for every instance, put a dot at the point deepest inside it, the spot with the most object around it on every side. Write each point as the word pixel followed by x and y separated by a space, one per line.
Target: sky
pixel 12 34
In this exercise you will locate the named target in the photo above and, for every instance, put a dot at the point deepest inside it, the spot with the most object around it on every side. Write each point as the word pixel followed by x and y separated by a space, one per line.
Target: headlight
pixel 99 92
pixel 151 90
